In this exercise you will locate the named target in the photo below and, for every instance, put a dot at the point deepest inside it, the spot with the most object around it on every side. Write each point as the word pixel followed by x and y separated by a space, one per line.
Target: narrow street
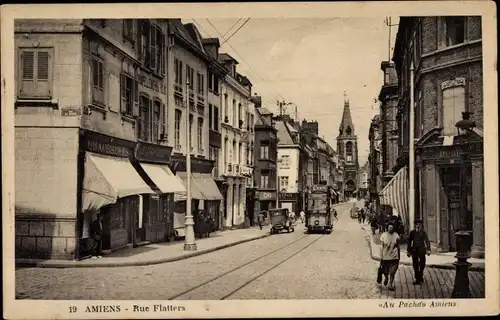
pixel 283 266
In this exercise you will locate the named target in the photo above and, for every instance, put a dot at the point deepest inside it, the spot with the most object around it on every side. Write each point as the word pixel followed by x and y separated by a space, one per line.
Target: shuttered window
pixel 35 74
pixel 200 135
pixel 156 121
pixel 128 90
pixel 97 72
pixel 177 132
pixel 145 117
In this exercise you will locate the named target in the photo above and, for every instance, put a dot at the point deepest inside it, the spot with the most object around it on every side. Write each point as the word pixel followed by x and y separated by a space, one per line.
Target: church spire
pixel 346 125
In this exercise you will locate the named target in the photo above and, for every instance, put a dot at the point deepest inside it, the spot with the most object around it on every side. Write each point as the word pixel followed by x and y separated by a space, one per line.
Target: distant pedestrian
pixel 363 215
pixel 96 231
pixel 260 219
pixel 389 255
pixel 418 246
pixel 302 216
pixel 373 224
pixel 335 214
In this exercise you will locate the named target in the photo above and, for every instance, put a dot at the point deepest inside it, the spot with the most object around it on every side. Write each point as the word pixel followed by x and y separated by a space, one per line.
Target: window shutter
pixel 163 54
pixel 27 86
pixel 135 94
pixel 123 93
pixel 163 119
pixel 43 71
pixel 152 47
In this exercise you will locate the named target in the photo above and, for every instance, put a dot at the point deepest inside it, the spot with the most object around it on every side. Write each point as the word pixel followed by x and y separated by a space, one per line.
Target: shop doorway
pixel 451 205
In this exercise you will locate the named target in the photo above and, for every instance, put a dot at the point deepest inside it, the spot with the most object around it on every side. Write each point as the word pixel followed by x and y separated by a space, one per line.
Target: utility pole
pixel 190 242
pixel 388 23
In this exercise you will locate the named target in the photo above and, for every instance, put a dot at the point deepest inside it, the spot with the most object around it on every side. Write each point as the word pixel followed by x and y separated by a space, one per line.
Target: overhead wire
pixel 241 57
pixel 227 39
pixel 228 30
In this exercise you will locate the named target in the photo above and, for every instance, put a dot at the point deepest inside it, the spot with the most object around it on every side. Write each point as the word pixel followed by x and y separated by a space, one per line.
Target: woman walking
pixel 389 255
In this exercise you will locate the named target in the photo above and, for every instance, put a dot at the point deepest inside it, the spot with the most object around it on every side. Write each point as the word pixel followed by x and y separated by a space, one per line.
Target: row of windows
pixel 237 120
pixel 190 72
pixel 237 151
pixel 199 131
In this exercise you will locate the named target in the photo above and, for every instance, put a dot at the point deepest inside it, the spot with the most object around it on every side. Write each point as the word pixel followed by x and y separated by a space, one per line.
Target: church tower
pixel 347 147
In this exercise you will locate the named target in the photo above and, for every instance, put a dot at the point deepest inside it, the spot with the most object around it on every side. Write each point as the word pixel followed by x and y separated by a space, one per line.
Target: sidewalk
pixel 435 260
pixel 158 252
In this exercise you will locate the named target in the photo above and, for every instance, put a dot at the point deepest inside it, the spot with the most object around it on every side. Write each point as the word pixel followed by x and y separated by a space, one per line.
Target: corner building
pixel 448 80
pixel 91 136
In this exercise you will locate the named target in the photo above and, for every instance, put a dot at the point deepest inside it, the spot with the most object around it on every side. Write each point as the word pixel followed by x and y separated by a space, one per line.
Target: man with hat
pixel 418 246
pixel 96 231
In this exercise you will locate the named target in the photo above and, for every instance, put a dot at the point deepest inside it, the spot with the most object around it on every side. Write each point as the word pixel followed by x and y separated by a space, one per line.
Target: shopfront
pixel 155 224
pixel 111 186
pixel 438 192
pixel 289 200
pixel 206 196
pixel 266 200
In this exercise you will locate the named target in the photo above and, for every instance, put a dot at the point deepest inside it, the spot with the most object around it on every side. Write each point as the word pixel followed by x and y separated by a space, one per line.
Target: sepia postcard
pixel 234 160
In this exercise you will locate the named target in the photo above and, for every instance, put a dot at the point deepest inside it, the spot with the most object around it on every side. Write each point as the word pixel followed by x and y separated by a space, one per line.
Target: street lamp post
pixel 190 241
pixel 463 237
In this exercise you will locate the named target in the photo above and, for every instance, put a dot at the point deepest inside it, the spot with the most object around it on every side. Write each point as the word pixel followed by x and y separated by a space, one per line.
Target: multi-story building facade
pixel 375 161
pixel 289 164
pixel 237 139
pixel 363 181
pixel 91 135
pixel 446 53
pixel 388 98
pixel 216 73
pixel 265 156
pixel 347 147
pixel 188 107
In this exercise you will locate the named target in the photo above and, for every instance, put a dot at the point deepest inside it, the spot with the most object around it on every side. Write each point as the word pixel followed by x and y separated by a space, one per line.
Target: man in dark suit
pixel 418 246
pixel 96 234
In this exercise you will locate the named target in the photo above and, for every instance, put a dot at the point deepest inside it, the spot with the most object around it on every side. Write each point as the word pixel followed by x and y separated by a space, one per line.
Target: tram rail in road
pixel 247 271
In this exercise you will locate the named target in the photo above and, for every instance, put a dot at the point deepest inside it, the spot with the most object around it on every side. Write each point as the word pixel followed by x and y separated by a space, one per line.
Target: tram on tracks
pixel 319 211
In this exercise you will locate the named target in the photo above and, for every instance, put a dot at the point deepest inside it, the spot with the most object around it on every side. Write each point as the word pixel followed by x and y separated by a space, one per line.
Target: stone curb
pixel 476 267
pixel 75 264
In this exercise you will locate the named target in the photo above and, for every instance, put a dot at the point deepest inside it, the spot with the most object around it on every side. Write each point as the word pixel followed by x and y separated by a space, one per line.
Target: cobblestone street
pixel 283 266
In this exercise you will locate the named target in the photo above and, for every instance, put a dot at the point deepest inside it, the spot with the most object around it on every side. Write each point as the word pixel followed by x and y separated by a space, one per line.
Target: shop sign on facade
pixel 265 195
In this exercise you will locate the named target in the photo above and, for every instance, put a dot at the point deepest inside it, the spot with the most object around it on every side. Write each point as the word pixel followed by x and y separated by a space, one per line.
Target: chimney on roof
pixel 211 46
pixel 257 100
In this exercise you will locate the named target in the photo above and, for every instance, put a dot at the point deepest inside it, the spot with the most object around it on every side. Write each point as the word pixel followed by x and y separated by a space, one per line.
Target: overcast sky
pixel 310 62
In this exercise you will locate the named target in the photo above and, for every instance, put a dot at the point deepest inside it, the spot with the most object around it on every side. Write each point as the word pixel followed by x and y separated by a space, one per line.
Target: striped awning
pixel 395 194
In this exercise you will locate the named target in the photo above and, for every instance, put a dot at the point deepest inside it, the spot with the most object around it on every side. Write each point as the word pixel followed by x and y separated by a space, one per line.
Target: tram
pixel 319 215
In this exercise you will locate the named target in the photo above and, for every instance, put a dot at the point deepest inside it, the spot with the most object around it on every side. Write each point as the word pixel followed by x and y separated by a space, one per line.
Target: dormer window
pixel 348 131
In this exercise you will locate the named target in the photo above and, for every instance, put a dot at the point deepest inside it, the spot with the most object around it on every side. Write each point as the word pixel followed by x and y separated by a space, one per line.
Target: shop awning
pixel 195 191
pixel 395 194
pixel 108 178
pixel 207 186
pixel 163 178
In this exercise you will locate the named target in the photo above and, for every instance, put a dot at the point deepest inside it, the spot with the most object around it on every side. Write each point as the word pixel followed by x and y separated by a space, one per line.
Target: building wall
pixel 46 140
pixel 236 132
pixel 291 170
pixel 437 64
pixel 178 51
pixel 107 119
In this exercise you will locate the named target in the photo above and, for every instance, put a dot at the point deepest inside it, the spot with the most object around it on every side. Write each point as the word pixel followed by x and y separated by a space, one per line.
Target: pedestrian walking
pixel 389 255
pixel 96 234
pixel 335 214
pixel 363 215
pixel 373 224
pixel 260 219
pixel 302 216
pixel 418 246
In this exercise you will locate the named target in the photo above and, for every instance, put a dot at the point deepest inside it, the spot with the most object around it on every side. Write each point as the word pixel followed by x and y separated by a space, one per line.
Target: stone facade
pixel 237 139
